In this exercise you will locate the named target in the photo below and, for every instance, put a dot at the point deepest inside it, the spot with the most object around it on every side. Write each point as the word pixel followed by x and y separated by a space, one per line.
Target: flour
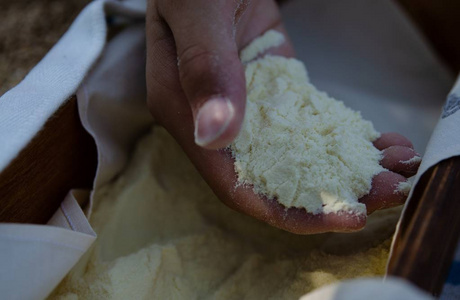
pixel 414 160
pixel 301 146
pixel 270 39
pixel 163 234
pixel 403 187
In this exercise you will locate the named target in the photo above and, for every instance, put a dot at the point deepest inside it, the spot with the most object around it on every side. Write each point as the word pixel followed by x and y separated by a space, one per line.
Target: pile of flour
pixel 299 145
pixel 163 234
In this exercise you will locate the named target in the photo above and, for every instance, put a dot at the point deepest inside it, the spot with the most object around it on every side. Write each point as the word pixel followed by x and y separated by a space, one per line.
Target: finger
pixel 210 71
pixel 386 192
pixel 166 100
pixel 401 159
pixel 392 139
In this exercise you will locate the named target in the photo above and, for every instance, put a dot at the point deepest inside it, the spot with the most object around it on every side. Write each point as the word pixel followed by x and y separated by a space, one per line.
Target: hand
pixel 196 90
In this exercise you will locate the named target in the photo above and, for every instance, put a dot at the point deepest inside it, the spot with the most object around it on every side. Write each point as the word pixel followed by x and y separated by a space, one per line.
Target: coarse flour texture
pixel 163 234
pixel 301 146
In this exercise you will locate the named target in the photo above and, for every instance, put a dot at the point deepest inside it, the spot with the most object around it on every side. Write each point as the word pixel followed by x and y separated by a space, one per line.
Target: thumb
pixel 211 73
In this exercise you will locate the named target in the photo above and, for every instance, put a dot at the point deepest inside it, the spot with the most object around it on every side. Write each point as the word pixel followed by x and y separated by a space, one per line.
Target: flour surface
pixel 163 234
pixel 301 146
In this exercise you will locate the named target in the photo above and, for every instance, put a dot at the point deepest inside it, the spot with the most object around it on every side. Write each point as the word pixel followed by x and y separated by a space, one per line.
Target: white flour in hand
pixel 301 146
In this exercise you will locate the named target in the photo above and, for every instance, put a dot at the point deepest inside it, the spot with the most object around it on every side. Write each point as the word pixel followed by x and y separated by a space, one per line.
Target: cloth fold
pixel 35 258
pixel 57 76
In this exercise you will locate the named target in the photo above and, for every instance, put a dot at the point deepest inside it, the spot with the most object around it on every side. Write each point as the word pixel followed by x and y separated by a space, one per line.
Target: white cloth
pixel 365 289
pixel 55 78
pixel 363 52
pixel 445 140
pixel 35 258
pixel 100 103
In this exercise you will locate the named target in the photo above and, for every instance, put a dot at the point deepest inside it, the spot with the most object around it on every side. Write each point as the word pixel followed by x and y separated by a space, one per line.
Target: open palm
pixel 197 91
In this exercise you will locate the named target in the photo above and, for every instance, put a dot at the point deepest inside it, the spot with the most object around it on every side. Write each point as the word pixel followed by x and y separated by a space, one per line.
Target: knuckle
pixel 195 60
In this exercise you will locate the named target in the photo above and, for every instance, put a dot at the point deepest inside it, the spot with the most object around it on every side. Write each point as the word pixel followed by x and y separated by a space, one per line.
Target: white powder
pixel 301 146
pixel 412 161
pixel 404 188
pixel 268 40
pixel 163 234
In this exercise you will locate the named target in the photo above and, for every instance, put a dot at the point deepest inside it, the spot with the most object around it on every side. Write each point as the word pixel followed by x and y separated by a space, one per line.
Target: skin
pixel 192 58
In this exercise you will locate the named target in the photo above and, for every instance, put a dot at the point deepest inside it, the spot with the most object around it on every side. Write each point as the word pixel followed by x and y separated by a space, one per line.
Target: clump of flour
pixel 268 40
pixel 414 160
pixel 301 146
pixel 404 187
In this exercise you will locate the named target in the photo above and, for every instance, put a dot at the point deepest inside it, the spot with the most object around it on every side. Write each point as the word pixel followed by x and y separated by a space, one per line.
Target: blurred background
pixel 28 30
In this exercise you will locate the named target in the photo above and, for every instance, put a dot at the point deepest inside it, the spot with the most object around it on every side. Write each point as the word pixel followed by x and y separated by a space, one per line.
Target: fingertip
pixel 217 123
pixel 217 97
pixel 401 159
pixel 212 120
pixel 386 192
pixel 389 139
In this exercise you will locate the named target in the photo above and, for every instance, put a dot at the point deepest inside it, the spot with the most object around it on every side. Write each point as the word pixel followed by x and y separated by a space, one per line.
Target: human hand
pixel 196 90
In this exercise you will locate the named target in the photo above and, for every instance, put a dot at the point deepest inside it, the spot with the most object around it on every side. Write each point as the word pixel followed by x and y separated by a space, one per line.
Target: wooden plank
pixel 62 156
pixel 430 229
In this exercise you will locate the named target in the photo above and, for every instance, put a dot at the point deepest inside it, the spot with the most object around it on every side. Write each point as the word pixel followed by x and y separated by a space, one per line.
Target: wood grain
pixel 430 228
pixel 62 156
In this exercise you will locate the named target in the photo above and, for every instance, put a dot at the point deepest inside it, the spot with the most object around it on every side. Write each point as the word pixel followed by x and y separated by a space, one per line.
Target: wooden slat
pixel 430 229
pixel 62 156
